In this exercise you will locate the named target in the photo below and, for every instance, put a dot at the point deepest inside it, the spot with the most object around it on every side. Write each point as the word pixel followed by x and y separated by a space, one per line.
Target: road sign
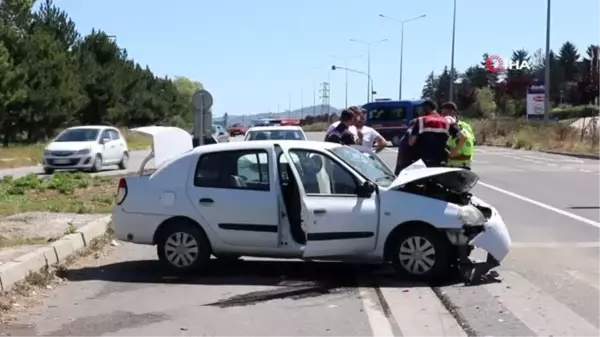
pixel 202 99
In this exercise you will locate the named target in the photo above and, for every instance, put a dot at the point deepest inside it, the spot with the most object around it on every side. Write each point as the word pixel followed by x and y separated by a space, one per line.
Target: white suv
pixel 86 148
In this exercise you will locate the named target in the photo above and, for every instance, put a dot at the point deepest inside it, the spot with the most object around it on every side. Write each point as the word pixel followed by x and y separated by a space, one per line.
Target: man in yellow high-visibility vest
pixel 464 158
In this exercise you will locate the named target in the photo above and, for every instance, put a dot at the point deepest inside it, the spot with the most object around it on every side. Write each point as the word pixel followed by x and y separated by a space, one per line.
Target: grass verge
pixel 62 192
pixel 45 278
pixel 315 127
pixel 536 135
pixel 30 155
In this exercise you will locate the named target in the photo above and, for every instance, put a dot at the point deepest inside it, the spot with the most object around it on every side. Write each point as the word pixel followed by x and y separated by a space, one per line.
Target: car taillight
pixel 121 191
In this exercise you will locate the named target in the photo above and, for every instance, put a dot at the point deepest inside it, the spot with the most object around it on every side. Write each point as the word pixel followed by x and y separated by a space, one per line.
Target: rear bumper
pixel 495 238
pixel 135 227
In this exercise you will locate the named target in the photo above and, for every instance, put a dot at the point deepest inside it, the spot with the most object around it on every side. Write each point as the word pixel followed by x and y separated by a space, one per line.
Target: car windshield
pixel 276 135
pixel 78 135
pixel 365 163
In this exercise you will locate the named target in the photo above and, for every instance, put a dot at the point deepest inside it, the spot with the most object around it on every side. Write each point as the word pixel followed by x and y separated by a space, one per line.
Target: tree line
pixel 51 77
pixel 479 92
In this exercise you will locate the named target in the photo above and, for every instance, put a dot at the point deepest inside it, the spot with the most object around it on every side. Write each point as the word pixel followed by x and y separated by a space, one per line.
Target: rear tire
pixel 183 247
pixel 421 253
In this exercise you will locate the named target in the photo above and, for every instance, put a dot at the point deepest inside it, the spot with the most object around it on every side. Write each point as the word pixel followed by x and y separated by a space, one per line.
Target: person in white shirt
pixel 368 137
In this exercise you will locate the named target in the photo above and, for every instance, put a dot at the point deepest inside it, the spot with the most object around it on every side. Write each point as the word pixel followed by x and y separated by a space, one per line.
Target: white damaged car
pixel 333 203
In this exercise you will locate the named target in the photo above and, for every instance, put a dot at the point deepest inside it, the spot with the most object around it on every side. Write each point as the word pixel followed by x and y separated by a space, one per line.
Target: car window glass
pixel 387 114
pixel 105 134
pixel 114 135
pixel 234 170
pixel 320 174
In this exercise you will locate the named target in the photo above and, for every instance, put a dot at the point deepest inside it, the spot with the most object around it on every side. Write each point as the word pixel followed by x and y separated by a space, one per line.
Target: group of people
pixel 436 138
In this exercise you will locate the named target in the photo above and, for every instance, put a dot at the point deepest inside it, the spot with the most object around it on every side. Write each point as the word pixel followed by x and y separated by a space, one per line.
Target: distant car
pixel 307 200
pixel 86 148
pixel 219 134
pixel 237 129
pixel 275 132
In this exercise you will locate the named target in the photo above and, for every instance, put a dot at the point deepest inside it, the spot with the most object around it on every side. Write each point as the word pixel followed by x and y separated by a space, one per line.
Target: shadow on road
pixel 253 272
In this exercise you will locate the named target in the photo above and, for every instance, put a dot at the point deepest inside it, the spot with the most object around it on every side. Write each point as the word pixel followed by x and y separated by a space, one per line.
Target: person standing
pixel 355 110
pixel 464 157
pixel 368 137
pixel 406 154
pixel 430 134
pixel 341 133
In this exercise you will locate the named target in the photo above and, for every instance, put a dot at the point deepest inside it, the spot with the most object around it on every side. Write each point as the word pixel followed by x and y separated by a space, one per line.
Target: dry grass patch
pixel 62 192
pixel 537 135
pixel 30 155
pixel 315 127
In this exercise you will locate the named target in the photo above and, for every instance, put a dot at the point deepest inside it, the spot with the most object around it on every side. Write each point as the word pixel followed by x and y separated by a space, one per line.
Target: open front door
pixel 335 220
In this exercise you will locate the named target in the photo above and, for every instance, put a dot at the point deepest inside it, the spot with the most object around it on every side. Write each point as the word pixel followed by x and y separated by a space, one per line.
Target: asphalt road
pixel 549 287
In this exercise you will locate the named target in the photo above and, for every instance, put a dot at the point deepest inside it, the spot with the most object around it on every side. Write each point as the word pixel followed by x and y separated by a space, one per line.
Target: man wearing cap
pixel 429 135
pixel 464 156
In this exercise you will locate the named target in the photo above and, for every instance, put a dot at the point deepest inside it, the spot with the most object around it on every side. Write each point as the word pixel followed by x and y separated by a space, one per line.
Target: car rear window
pixel 276 135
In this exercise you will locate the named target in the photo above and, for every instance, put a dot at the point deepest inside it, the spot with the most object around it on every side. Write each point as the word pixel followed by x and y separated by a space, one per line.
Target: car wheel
pixel 226 257
pixel 97 163
pixel 396 141
pixel 421 253
pixel 124 161
pixel 183 247
pixel 48 170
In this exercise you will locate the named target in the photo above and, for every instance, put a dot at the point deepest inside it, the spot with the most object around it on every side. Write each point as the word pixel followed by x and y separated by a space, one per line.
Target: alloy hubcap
pixel 181 249
pixel 417 255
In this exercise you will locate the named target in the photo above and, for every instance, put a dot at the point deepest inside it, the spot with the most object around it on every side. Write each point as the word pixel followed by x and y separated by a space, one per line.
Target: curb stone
pixel 56 253
pixel 574 154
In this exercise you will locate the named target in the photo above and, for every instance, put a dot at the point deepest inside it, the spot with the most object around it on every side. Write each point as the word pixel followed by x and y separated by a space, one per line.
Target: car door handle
pixel 320 211
pixel 206 201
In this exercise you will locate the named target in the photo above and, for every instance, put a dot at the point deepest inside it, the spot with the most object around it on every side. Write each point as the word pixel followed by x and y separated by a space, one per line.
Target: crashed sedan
pixel 303 199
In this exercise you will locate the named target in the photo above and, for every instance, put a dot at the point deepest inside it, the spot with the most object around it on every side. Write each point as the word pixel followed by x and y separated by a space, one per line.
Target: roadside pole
pixel 202 101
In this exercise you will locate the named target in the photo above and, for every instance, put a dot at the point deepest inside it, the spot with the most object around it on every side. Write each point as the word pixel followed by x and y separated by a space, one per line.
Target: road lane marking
pixel 582 278
pixel 380 326
pixel 538 310
pixel 542 205
pixel 419 312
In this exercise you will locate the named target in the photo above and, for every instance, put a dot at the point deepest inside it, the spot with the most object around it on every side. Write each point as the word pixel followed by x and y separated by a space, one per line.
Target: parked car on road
pixel 237 129
pixel 219 134
pixel 275 132
pixel 307 200
pixel 86 148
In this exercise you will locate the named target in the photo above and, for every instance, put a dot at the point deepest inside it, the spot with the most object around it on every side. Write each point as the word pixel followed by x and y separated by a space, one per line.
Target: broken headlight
pixel 471 216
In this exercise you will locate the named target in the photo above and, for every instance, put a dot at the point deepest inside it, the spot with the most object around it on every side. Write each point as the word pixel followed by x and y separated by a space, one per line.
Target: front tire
pixel 421 253
pixel 124 161
pixel 183 247
pixel 97 164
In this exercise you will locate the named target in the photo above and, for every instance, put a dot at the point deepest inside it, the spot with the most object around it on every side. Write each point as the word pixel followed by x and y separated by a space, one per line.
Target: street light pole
pixel 402 22
pixel 451 94
pixel 369 79
pixel 547 67
pixel 346 59
pixel 368 44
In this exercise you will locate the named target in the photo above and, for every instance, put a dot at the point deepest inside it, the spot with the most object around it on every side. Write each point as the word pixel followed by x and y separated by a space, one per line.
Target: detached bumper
pixel 495 238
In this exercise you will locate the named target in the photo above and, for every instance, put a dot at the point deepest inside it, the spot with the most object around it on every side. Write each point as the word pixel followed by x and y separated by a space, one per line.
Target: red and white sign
pixel 496 64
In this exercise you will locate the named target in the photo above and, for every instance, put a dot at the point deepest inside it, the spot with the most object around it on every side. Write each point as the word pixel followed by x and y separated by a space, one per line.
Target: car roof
pixel 274 128
pixel 91 127
pixel 257 144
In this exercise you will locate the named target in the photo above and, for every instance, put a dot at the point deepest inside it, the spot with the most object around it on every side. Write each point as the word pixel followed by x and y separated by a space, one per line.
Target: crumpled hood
pixel 455 179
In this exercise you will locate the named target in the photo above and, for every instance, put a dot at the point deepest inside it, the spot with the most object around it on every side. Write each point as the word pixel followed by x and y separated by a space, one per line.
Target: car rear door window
pixel 234 170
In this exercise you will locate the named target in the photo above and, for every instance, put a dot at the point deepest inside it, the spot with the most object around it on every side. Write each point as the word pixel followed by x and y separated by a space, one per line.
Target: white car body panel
pixel 80 155
pixel 350 226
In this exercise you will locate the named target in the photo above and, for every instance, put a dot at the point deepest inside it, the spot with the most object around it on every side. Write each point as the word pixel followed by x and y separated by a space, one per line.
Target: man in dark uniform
pixel 405 152
pixel 341 134
pixel 430 134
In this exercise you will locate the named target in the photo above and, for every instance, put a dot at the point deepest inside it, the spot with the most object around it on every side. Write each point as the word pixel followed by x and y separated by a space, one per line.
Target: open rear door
pixel 334 225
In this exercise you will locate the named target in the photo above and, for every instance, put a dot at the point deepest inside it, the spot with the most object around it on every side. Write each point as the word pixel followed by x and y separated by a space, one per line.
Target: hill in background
pixel 294 114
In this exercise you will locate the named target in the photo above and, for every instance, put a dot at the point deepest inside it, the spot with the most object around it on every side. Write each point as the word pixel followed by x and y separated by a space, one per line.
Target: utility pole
pixel 452 79
pixel 547 67
pixel 314 99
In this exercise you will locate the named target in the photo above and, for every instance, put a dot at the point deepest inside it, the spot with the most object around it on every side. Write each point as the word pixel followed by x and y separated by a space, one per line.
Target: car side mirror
pixel 366 189
pixel 104 140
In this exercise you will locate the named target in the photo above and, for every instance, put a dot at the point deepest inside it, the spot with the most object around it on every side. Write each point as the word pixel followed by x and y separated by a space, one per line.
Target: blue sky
pixel 254 54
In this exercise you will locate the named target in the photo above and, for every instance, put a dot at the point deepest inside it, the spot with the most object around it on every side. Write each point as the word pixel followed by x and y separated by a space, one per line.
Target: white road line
pixel 539 311
pixel 379 323
pixel 552 245
pixel 542 205
pixel 581 277
pixel 419 312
